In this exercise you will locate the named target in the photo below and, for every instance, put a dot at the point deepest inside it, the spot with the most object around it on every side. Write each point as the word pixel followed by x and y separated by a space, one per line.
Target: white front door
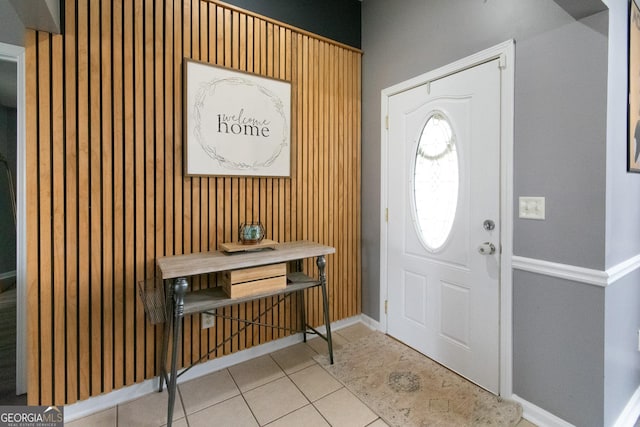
pixel 443 242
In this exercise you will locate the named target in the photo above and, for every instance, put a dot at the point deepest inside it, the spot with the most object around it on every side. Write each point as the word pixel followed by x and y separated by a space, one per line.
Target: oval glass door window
pixel 436 182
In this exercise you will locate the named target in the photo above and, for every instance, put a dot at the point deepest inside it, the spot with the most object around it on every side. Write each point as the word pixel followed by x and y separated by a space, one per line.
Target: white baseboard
pixel 98 403
pixel 542 418
pixel 370 322
pixel 631 412
pixel 339 324
pixel 95 404
pixel 539 416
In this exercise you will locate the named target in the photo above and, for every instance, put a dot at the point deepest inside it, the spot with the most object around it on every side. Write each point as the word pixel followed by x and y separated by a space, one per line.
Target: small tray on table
pixel 241 247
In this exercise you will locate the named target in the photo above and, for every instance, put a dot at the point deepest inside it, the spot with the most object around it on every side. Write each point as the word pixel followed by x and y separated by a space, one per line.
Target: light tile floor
pixel 284 388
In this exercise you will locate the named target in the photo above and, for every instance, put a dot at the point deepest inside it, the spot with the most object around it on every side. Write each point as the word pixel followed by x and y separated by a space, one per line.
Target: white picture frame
pixel 236 123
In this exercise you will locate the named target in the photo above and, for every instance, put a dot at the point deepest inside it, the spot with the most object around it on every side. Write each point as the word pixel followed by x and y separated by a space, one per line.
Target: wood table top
pixel 175 266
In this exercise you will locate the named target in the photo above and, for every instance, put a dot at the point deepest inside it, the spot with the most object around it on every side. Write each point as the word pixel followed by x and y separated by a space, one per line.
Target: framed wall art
pixel 633 128
pixel 236 123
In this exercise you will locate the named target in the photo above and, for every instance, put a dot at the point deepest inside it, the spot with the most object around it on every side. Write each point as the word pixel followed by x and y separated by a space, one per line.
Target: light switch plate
pixel 531 208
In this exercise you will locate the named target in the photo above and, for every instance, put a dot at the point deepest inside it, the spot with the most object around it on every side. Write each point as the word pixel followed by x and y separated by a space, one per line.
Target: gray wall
pixel 558 333
pixel 396 43
pixel 8 128
pixel 622 359
pixel 560 142
pixel 622 298
pixel 560 112
pixel 560 153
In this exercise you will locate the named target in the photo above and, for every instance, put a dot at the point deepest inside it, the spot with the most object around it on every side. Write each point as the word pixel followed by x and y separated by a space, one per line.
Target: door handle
pixel 487 248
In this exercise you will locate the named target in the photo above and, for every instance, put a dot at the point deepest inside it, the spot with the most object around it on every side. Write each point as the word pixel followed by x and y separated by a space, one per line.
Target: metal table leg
pixel 179 289
pixel 321 262
pixel 302 308
pixel 165 334
pixel 303 314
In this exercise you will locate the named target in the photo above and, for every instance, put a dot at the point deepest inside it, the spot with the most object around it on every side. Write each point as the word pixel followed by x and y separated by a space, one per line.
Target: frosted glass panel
pixel 436 181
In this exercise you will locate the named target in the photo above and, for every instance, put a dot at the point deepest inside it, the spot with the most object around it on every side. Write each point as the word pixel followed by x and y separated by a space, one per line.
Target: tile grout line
pixel 184 408
pixel 341 383
pixel 347 388
pixel 217 403
pixel 242 395
pixel 309 402
pixel 312 354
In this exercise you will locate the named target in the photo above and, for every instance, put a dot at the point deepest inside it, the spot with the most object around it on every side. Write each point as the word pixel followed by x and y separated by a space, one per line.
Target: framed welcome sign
pixel 236 123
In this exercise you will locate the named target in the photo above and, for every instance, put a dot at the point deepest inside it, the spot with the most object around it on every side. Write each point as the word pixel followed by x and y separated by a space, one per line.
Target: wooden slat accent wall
pixel 107 195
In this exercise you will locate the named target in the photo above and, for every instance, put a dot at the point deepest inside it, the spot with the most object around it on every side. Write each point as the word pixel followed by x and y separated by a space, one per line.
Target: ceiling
pixel 11 26
pixel 16 15
pixel 581 8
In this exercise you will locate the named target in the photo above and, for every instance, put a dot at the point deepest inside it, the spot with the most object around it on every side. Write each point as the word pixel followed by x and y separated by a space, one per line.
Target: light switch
pixel 531 207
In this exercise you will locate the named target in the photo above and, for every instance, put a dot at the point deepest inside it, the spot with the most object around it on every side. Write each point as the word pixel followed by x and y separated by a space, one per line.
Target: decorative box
pixel 255 280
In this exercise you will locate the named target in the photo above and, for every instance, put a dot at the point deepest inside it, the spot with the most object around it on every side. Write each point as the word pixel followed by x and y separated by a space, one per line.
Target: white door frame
pixel 15 54
pixel 506 53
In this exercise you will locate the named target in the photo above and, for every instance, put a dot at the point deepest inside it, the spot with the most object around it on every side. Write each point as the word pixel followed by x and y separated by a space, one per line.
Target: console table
pixel 175 270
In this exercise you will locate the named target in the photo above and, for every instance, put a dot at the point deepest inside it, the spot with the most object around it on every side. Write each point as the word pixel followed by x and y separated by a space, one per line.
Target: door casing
pixel 505 52
pixel 15 54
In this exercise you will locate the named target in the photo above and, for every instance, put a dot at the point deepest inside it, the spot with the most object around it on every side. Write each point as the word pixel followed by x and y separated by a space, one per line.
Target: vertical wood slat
pixel 234 42
pixel 107 195
pixel 195 190
pixel 150 196
pixel 248 214
pixel 84 263
pixel 159 164
pixel 187 36
pixel 217 57
pixel 33 259
pixel 84 372
pixel 178 46
pixel 129 196
pixel 209 192
pixel 119 279
pixel 71 222
pixel 44 178
pixel 139 177
pixel 58 248
pixel 95 203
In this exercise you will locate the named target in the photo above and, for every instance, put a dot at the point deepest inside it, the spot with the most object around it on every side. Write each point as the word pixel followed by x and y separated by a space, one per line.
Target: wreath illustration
pixel 207 90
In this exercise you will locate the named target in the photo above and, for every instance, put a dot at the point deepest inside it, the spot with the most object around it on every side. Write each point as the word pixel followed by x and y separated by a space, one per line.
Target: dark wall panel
pixel 338 20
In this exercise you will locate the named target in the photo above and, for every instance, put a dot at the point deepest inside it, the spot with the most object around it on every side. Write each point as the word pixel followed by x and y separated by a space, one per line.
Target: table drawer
pixel 255 280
